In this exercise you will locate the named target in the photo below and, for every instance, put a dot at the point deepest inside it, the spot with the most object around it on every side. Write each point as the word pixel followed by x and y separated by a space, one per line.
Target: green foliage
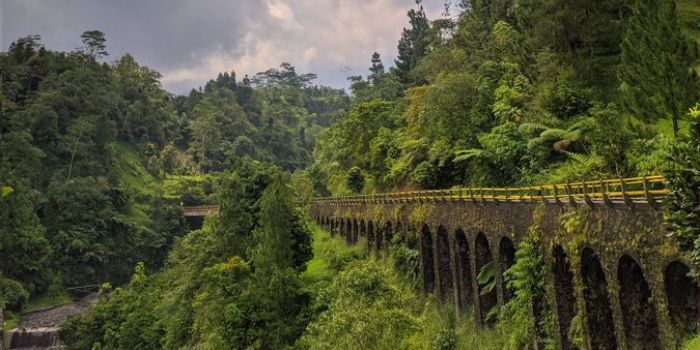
pixel 233 284
pixel 331 255
pixel 528 317
pixel 406 257
pixel 658 79
pixel 190 190
pixel 369 307
pixel 487 278
pixel 275 117
pixel 24 249
pixel 74 136
pixel 12 294
pixel 692 344
pixel 682 209
pixel 355 181
pixel 524 92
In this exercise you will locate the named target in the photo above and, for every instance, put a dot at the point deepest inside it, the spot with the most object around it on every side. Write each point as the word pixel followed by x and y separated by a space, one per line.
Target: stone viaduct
pixel 612 267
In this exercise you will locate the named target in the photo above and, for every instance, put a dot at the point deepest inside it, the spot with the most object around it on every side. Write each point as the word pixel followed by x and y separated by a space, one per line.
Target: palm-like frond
pixel 532 128
pixel 560 139
pixel 468 154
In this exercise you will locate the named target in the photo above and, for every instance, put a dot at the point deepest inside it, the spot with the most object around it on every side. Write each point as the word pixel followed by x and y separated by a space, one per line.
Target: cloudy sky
pixel 190 41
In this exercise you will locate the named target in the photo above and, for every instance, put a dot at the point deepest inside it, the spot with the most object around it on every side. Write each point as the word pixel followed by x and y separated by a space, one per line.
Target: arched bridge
pixel 608 256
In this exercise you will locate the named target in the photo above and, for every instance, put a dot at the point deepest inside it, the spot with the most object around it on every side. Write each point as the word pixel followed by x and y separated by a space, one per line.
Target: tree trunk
pixel 676 128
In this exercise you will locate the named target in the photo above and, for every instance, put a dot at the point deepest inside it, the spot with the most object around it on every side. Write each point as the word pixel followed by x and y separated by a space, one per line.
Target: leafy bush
pixel 12 295
pixel 682 209
pixel 355 180
pixel 528 318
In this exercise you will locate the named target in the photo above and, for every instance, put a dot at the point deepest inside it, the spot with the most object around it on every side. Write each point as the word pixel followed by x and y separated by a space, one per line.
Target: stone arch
pixel 638 313
pixel 683 298
pixel 464 271
pixel 363 228
pixel 388 236
pixel 411 236
pixel 348 231
pixel 444 263
pixel 564 293
pixel 370 235
pixel 601 328
pixel 379 238
pixel 427 261
pixel 506 257
pixel 355 231
pixel 487 299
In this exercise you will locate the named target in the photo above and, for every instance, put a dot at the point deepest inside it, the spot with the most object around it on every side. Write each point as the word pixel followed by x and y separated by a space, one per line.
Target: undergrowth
pixel 373 303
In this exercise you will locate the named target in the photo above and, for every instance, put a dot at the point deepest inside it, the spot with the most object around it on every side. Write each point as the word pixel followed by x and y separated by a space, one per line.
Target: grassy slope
pixel 319 273
pixel 326 250
pixel 136 179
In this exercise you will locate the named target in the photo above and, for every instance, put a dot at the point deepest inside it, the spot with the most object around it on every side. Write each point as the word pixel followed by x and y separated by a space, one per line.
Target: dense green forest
pixel 96 158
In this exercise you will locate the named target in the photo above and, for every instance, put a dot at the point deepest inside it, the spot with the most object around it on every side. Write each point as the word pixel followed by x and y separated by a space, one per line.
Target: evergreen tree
pixel 94 41
pixel 377 67
pixel 275 284
pixel 658 80
pixel 413 45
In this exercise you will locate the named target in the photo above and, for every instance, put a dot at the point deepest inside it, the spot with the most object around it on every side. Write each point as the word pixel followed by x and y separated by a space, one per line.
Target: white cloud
pixel 320 36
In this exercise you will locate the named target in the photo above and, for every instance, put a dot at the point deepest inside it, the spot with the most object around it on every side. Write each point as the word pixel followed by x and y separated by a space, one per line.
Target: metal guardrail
pixel 645 189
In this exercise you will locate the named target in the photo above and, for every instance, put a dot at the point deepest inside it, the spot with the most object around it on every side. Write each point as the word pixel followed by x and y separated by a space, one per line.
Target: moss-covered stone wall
pixel 611 232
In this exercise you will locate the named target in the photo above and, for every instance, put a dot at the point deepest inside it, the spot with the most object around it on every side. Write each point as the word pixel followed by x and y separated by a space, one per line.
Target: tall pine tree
pixel 658 80
pixel 275 286
pixel 413 45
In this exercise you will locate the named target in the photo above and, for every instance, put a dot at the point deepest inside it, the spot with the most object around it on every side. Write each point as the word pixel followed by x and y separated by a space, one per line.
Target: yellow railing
pixel 645 189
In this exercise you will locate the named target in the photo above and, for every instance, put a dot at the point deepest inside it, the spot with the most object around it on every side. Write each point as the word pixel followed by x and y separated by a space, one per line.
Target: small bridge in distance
pixel 200 210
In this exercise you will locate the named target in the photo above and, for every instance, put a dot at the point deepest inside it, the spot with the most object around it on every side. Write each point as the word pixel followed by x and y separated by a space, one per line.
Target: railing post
pixel 625 196
pixel 604 191
pixel 556 195
pixel 650 199
pixel 542 195
pixel 569 193
pixel 586 198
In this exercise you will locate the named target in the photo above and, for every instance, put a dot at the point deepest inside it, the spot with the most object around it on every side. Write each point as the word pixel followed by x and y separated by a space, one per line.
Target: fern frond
pixel 465 155
pixel 532 128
